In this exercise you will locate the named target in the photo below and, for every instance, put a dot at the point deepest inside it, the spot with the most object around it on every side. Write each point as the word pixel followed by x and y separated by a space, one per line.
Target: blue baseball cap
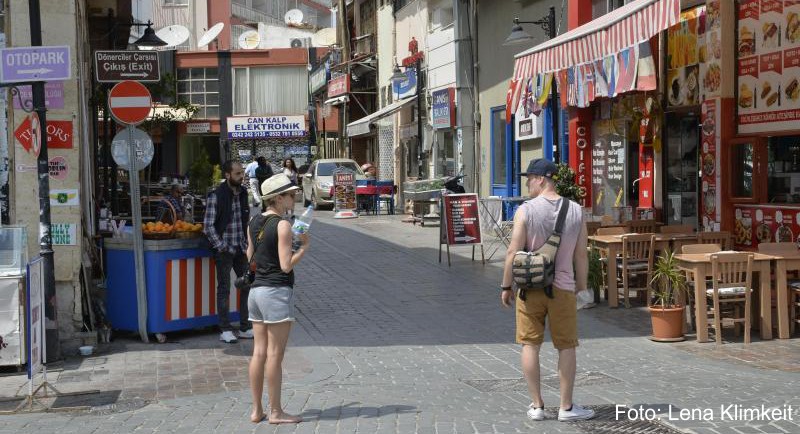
pixel 540 167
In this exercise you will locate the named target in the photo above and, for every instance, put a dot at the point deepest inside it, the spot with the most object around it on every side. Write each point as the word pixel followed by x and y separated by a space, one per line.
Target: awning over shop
pixel 337 100
pixel 615 31
pixel 361 126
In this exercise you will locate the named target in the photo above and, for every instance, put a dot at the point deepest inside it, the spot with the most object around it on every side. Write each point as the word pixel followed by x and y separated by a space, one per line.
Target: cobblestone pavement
pixel 388 340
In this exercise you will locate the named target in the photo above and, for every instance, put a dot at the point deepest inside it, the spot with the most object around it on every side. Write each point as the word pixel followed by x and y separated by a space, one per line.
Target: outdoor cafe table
pixel 613 245
pixel 699 264
pixel 784 263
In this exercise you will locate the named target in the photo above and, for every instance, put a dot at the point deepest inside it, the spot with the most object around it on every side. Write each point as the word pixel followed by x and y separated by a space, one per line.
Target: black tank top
pixel 268 264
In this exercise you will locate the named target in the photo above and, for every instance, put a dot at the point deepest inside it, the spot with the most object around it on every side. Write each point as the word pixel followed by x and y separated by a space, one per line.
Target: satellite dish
pixel 249 40
pixel 174 35
pixel 210 35
pixel 325 37
pixel 293 16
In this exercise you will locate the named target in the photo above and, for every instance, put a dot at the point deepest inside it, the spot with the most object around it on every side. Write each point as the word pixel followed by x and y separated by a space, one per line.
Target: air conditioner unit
pixel 300 42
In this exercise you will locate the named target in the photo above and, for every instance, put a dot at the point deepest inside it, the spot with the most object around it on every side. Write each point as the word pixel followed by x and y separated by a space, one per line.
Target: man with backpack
pixel 547 262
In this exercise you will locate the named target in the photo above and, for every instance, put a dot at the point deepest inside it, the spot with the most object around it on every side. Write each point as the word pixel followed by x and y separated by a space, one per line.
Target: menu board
pixel 344 189
pixel 685 50
pixel 462 220
pixel 763 224
pixel 708 165
pixel 768 72
pixel 608 170
pixel 710 51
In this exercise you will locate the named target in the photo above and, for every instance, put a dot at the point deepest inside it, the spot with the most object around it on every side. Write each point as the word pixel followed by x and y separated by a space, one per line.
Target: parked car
pixel 317 182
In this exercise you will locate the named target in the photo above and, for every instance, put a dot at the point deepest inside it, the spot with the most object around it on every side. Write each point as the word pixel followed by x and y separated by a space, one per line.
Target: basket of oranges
pixel 158 231
pixel 187 230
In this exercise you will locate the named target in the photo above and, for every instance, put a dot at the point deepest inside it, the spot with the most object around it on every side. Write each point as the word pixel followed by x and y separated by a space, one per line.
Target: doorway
pixel 681 176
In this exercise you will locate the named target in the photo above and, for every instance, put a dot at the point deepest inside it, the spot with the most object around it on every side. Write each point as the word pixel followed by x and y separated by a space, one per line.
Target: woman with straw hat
pixel 271 299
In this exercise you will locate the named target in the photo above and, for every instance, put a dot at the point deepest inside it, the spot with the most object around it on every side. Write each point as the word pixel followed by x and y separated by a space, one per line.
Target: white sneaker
pixel 535 413
pixel 228 337
pixel 246 334
pixel 576 413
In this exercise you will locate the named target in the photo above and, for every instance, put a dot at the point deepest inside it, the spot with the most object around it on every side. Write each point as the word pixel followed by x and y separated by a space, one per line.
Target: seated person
pixel 369 171
pixel 174 198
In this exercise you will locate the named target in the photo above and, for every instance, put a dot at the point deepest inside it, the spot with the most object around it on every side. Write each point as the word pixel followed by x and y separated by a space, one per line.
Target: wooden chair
pixel 677 229
pixel 636 265
pixel 592 227
pixel 613 230
pixel 731 285
pixel 700 248
pixel 722 238
pixel 641 226
pixel 779 249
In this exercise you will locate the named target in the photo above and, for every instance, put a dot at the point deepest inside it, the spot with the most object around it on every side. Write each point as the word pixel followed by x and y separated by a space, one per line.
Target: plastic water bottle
pixel 584 299
pixel 301 225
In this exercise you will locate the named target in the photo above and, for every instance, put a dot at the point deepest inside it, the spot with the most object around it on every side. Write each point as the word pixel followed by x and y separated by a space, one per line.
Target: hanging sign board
pixel 198 127
pixel 462 219
pixel 120 65
pixel 261 127
pixel 443 108
pixel 339 85
pixel 407 87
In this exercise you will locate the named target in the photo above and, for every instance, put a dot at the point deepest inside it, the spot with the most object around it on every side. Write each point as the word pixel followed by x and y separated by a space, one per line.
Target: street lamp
pixel 149 38
pixel 518 36
pixel 397 78
pixel 312 121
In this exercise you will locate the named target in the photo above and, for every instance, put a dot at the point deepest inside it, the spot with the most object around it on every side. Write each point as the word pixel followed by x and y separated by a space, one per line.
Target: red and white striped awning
pixel 621 28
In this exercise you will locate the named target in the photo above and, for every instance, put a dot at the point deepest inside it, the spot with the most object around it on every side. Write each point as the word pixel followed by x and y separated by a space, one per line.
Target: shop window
pixel 200 86
pixel 742 164
pixel 270 90
pixel 783 185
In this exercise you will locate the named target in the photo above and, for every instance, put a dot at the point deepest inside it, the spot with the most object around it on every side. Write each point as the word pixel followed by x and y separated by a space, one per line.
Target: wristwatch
pixel 505 288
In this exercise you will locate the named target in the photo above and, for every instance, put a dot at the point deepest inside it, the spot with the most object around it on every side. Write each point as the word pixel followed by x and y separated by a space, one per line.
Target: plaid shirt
pixel 177 204
pixel 234 238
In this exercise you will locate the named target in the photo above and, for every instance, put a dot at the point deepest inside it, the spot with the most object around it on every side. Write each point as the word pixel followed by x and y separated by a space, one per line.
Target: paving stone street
pixel 388 340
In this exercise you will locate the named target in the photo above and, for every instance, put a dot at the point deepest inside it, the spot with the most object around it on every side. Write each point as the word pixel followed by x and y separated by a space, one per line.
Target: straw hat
pixel 275 185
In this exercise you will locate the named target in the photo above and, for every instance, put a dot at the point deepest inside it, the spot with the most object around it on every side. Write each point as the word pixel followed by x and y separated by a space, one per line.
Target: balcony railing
pixel 271 16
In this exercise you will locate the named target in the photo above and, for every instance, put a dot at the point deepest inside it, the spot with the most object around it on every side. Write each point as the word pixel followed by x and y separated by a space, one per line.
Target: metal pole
pixel 43 171
pixel 138 243
pixel 555 108
pixel 418 68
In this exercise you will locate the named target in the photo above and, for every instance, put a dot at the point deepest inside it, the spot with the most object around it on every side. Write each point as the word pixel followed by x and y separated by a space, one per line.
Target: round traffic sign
pixel 129 102
pixel 143 148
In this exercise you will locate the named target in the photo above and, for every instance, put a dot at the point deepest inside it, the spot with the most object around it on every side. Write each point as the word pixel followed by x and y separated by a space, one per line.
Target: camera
pixel 245 280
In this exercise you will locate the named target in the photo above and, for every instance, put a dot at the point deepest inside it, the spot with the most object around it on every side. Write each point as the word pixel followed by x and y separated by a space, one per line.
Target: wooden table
pixel 784 263
pixel 700 266
pixel 613 245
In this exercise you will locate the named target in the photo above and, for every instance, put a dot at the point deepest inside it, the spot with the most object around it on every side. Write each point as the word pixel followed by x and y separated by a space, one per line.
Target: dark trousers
pixel 225 262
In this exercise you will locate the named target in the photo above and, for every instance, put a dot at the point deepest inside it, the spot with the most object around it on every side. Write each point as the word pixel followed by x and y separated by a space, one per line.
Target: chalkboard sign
pixel 608 173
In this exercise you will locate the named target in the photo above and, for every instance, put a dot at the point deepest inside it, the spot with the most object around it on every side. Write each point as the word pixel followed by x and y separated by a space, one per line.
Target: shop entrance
pixel 681 175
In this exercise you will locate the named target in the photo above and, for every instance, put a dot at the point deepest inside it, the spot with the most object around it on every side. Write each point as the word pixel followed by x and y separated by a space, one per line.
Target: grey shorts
pixel 270 304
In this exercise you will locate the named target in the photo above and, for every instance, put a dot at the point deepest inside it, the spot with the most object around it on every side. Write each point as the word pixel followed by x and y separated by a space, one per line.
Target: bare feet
pixel 283 417
pixel 257 417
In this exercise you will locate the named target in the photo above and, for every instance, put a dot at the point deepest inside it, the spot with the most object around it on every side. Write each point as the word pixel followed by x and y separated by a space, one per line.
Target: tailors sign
pixel 258 127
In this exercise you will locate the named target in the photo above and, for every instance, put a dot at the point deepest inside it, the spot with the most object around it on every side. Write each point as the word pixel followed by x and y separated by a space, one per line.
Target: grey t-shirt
pixel 540 216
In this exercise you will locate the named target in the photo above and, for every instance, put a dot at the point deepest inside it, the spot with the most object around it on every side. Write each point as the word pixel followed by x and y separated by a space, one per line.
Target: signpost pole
pixel 138 243
pixel 43 171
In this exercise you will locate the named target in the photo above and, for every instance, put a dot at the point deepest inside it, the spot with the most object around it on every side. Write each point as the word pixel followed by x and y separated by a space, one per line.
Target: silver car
pixel 317 182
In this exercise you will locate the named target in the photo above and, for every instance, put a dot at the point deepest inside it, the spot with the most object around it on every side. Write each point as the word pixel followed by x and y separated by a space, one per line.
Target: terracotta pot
pixel 667 323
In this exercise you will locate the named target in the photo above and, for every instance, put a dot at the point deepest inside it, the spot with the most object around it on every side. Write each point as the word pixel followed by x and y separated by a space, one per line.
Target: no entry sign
pixel 129 102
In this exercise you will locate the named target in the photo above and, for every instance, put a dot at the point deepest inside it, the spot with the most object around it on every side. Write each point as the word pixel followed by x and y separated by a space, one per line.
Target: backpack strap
pixel 562 217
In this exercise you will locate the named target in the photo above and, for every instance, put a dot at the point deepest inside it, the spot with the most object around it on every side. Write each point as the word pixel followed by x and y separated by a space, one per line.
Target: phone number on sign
pixel 263 134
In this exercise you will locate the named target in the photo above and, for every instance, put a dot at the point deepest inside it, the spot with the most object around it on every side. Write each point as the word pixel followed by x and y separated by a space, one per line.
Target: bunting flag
pixel 536 107
pixel 562 87
pixel 581 100
pixel 590 82
pixel 572 88
pixel 646 79
pixel 610 67
pixel 547 87
pixel 627 62
pixel 600 80
pixel 527 100
pixel 512 98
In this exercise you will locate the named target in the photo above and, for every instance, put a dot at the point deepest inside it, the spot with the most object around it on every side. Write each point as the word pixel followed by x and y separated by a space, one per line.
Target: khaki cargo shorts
pixel 561 312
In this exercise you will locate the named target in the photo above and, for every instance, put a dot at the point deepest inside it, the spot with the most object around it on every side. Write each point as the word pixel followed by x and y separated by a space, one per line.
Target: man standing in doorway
pixel 224 224
pixel 534 222
pixel 255 189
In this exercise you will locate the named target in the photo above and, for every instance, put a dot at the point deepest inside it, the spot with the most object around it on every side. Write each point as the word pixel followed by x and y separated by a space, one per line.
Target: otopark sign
pixel 21 64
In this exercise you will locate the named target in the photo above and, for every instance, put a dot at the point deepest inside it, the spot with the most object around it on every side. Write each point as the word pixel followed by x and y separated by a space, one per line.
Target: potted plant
pixel 666 311
pixel 595 278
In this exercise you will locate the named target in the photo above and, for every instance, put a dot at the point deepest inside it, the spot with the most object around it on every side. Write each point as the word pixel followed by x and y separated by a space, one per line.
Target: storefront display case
pixel 13 261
